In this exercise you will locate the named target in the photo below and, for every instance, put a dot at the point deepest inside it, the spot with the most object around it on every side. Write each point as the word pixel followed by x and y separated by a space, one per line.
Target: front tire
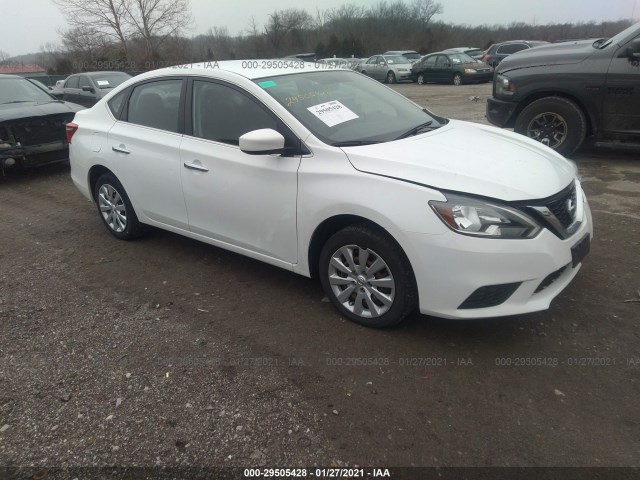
pixel 554 121
pixel 391 77
pixel 456 79
pixel 115 209
pixel 367 277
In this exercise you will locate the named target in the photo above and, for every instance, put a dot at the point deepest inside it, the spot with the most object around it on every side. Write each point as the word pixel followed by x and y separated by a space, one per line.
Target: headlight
pixel 469 216
pixel 469 70
pixel 504 86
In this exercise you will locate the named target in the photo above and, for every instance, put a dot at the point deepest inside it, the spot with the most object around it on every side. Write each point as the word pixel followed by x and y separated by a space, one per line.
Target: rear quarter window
pixel 115 104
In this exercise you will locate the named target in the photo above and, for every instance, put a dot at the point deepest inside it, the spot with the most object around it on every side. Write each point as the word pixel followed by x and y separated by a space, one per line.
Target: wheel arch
pixel 95 172
pixel 334 224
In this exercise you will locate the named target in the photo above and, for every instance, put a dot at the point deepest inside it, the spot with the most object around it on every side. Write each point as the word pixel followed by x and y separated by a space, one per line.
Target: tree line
pixel 136 35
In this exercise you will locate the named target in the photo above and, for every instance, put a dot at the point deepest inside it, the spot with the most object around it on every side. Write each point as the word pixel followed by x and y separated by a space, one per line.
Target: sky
pixel 29 24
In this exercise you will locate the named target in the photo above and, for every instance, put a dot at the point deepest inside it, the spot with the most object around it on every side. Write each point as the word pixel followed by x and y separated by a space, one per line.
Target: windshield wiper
pixel 354 143
pixel 419 129
pixel 17 101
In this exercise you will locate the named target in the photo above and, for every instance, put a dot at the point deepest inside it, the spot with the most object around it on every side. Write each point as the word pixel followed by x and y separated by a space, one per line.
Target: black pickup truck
pixel 561 93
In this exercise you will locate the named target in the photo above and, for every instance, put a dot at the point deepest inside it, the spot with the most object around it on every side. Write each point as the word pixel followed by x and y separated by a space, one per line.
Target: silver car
pixel 386 68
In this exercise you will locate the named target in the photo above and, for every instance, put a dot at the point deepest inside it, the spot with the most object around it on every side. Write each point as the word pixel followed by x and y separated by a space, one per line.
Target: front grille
pixel 549 279
pixel 489 296
pixel 557 213
pixel 564 207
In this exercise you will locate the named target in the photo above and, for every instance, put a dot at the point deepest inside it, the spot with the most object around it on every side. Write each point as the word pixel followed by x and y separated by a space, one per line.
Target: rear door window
pixel 156 105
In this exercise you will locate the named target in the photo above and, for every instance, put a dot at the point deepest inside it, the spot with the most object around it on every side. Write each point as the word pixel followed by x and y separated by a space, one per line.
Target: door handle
pixel 120 149
pixel 195 166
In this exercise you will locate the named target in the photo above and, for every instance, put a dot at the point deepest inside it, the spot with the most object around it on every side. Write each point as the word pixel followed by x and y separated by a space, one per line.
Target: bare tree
pixel 4 56
pixel 156 20
pixel 425 10
pixel 282 23
pixel 100 18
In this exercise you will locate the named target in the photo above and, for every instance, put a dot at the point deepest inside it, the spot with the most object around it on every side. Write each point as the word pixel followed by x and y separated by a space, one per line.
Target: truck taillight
pixel 71 128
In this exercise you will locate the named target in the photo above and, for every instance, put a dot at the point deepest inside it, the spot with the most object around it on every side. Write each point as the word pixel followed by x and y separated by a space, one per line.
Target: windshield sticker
pixel 102 83
pixel 268 84
pixel 332 113
pixel 291 101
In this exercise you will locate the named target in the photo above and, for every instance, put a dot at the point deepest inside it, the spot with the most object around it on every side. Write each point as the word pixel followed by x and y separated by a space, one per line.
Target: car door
pixel 240 200
pixel 441 69
pixel 372 67
pixel 369 66
pixel 428 68
pixel 621 108
pixel 145 147
pixel 70 90
pixel 86 91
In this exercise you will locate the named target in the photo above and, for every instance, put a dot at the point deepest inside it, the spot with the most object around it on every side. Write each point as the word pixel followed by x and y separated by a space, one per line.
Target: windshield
pixel 341 107
pixel 460 58
pixel 411 56
pixel 19 90
pixel 396 59
pixel 617 38
pixel 110 80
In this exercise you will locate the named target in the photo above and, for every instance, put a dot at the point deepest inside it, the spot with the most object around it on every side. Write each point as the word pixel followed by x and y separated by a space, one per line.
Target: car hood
pixel 469 158
pixel 15 111
pixel 554 54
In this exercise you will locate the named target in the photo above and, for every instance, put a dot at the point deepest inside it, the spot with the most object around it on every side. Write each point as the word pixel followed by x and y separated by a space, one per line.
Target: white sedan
pixel 328 173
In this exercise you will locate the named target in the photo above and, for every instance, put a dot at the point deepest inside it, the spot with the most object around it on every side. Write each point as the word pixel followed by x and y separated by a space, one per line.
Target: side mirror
pixel 88 89
pixel 448 64
pixel 265 141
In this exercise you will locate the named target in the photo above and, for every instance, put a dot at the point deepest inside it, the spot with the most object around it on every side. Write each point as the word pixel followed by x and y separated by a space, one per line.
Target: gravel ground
pixel 166 352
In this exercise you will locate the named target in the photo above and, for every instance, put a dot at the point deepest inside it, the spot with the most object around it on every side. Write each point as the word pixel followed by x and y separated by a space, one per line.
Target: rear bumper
pixel 500 113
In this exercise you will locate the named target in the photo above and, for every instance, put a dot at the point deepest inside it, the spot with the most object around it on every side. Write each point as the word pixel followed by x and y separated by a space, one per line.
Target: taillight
pixel 71 128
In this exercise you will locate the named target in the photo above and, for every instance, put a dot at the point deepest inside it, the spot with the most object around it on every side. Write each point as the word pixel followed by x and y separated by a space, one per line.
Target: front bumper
pixel 451 269
pixel 500 112
pixel 478 77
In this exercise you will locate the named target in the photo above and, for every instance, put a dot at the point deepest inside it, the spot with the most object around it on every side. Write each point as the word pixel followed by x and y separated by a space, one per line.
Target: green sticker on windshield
pixel 268 84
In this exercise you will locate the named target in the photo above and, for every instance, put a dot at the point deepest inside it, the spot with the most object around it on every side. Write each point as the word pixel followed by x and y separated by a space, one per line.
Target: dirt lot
pixel 169 352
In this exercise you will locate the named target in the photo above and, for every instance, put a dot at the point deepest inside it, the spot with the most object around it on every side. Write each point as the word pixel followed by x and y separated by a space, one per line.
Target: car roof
pixel 8 75
pixel 398 52
pixel 250 69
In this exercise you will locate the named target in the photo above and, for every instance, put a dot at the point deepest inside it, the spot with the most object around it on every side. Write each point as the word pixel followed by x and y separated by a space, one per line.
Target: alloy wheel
pixel 361 281
pixel 112 208
pixel 548 128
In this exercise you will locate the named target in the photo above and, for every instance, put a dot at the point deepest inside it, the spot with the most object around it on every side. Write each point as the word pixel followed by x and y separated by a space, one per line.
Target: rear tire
pixel 367 276
pixel 421 79
pixel 554 121
pixel 115 209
